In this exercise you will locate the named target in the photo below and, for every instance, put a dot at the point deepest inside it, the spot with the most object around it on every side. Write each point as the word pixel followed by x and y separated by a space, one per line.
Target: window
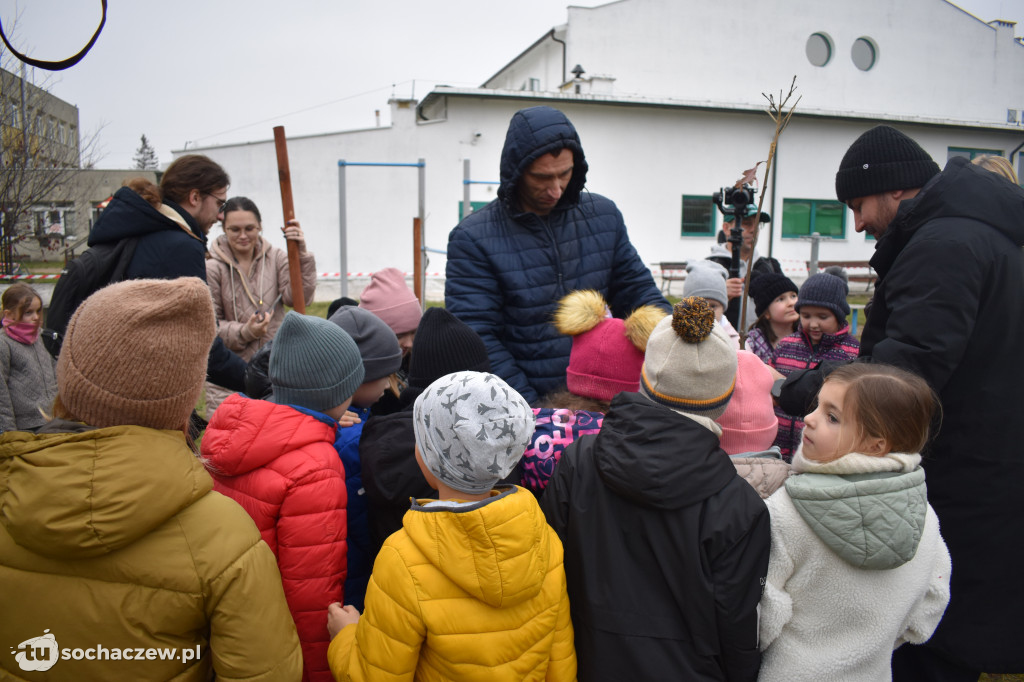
pixel 475 205
pixel 819 49
pixel 802 217
pixel 969 153
pixel 864 53
pixel 698 216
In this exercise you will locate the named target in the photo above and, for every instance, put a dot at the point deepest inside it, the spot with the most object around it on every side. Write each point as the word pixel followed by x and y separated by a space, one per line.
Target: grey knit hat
pixel 471 429
pixel 690 364
pixel 882 160
pixel 378 345
pixel 706 279
pixel 826 291
pixel 314 363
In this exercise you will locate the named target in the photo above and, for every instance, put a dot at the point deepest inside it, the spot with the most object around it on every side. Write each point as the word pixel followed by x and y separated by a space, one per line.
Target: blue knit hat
pixel 826 291
pixel 314 363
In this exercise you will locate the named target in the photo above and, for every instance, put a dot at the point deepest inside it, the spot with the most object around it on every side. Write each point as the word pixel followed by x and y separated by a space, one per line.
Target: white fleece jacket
pixel 824 619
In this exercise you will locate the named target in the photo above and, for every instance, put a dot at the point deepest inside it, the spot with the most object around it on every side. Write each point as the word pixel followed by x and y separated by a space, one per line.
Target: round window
pixel 819 49
pixel 864 53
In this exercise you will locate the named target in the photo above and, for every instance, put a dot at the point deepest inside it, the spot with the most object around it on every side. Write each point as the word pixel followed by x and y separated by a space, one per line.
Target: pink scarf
pixel 22 332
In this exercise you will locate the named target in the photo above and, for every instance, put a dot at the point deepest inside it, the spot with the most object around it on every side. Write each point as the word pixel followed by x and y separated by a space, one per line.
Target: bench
pixel 671 271
pixel 861 270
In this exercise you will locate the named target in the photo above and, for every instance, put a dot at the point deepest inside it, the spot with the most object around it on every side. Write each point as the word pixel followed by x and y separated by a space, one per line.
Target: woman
pixel 250 284
pixel 111 534
pixel 29 379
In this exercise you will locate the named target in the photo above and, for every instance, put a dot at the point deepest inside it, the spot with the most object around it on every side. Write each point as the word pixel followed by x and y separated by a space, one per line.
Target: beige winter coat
pixel 236 295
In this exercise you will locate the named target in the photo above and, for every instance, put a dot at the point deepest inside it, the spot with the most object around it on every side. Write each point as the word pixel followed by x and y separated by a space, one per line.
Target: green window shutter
pixel 698 216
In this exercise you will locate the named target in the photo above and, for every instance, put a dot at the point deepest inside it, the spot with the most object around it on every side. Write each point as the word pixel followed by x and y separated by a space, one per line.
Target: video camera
pixel 735 202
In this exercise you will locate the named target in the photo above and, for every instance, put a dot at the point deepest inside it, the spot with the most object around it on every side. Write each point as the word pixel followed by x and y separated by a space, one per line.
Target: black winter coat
pixel 666 549
pixel 508 269
pixel 949 306
pixel 165 251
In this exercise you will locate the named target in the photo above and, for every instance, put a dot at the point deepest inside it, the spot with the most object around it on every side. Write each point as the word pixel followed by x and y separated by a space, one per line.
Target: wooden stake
pixel 284 176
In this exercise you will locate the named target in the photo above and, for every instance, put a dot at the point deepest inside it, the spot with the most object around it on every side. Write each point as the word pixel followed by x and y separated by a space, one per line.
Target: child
pixel 606 357
pixel 665 545
pixel 382 357
pixel 857 563
pixel 774 297
pixel 388 297
pixel 112 537
pixel 706 279
pixel 749 426
pixel 27 370
pixel 277 459
pixel 472 587
pixel 444 344
pixel 823 335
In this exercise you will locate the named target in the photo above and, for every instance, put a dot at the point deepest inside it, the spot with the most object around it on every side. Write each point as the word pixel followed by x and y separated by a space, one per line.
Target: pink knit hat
pixel 387 297
pixel 607 353
pixel 749 423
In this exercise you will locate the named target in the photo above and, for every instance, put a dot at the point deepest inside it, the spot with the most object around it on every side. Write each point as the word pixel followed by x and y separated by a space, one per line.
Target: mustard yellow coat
pixel 471 593
pixel 113 537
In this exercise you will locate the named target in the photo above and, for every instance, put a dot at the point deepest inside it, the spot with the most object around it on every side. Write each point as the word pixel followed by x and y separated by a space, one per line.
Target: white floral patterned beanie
pixel 471 428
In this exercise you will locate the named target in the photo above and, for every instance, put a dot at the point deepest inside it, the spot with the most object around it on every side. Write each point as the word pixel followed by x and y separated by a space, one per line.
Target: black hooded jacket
pixel 165 250
pixel 949 306
pixel 666 549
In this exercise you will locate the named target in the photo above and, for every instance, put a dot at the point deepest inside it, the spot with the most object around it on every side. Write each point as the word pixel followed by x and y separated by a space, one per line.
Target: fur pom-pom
pixel 580 311
pixel 693 319
pixel 641 323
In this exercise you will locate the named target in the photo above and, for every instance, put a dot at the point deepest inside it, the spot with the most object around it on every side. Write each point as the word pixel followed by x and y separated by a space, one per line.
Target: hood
pixel 872 518
pixel 962 190
pixel 81 495
pixel 532 133
pixel 505 539
pixel 245 434
pixel 220 250
pixel 129 215
pixel 656 457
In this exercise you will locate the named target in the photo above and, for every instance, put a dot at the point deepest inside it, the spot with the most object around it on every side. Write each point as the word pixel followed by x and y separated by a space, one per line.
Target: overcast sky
pixel 204 72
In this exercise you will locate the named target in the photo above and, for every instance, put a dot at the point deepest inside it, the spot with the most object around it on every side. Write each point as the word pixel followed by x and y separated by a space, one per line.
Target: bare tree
pixel 41 154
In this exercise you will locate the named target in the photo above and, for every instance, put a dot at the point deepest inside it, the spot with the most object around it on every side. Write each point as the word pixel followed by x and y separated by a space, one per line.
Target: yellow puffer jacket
pixel 467 593
pixel 112 537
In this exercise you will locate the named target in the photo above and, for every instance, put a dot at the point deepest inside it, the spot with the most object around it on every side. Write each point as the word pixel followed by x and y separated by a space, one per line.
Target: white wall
pixel 644 158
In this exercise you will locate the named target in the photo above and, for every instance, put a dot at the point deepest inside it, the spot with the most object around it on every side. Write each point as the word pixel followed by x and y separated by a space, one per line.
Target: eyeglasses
pixel 221 203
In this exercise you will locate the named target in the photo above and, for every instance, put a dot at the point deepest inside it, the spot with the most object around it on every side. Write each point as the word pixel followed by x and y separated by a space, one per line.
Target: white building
pixel 669 109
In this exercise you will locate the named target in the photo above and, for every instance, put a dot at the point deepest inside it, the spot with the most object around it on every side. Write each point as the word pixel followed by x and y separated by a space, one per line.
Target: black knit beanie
pixel 767 287
pixel 883 160
pixel 825 291
pixel 444 344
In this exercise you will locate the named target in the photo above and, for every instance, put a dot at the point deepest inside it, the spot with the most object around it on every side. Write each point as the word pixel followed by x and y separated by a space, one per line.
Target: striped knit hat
pixel 690 364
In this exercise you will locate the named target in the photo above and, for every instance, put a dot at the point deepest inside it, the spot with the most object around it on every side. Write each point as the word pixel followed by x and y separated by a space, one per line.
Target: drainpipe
pixel 1015 150
pixel 552 34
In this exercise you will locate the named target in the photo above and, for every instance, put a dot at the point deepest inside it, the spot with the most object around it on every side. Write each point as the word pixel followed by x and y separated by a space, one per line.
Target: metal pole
pixel 467 205
pixel 342 230
pixel 422 275
pixel 813 269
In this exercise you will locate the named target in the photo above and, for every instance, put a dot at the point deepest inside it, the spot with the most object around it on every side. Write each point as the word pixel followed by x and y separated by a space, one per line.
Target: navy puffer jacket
pixel 507 268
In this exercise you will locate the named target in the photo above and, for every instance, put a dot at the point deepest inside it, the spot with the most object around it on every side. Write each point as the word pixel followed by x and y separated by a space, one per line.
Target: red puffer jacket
pixel 281 466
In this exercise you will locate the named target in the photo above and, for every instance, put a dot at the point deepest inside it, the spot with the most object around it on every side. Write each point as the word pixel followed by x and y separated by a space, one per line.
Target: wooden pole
pixel 284 176
pixel 417 259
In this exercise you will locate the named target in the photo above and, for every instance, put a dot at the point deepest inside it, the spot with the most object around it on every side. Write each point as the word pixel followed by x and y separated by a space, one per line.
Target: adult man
pixel 510 262
pixel 171 223
pixel 722 254
pixel 948 307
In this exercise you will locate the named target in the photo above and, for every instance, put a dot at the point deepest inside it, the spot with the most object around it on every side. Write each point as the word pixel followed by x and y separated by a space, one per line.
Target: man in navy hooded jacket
pixel 510 262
